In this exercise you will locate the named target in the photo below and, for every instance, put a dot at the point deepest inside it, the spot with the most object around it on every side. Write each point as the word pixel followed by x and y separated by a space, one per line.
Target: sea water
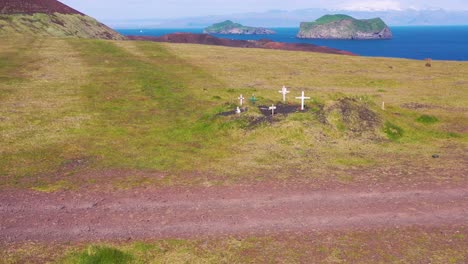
pixel 435 42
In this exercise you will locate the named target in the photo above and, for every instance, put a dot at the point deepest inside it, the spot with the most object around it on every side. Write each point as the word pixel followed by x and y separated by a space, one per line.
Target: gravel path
pixel 219 211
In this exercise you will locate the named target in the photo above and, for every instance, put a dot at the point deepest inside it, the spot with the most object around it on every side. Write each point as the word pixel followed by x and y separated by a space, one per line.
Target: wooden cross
pixel 284 92
pixel 241 99
pixel 303 98
pixel 272 108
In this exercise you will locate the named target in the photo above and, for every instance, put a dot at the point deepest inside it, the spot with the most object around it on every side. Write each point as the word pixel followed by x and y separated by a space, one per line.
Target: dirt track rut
pixel 218 211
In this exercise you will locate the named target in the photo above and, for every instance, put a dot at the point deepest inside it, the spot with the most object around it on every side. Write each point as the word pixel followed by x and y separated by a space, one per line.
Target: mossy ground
pixel 410 245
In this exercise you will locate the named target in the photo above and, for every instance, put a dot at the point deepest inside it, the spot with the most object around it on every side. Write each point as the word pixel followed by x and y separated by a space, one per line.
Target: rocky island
pixel 345 27
pixel 229 27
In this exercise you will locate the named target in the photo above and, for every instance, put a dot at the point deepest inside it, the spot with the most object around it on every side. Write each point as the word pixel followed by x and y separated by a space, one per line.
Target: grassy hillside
pixel 55 25
pixel 92 112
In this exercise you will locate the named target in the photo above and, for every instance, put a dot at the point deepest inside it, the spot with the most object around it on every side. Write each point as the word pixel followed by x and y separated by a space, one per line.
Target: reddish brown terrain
pixel 219 211
pixel 206 39
pixel 35 6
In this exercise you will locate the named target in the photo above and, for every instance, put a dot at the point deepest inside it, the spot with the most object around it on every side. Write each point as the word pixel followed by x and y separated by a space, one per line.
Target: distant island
pixel 345 27
pixel 229 27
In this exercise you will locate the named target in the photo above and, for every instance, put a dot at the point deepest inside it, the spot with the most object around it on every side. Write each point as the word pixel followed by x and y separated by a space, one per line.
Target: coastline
pixel 410 42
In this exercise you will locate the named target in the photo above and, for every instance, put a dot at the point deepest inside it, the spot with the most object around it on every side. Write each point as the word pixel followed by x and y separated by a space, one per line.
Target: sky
pixel 168 9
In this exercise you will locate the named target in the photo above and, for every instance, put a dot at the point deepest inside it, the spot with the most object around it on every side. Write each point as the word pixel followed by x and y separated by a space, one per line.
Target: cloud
pixel 377 5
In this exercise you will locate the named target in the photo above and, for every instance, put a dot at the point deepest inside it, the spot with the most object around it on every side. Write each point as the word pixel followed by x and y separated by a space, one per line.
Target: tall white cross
pixel 272 108
pixel 284 92
pixel 303 98
pixel 241 99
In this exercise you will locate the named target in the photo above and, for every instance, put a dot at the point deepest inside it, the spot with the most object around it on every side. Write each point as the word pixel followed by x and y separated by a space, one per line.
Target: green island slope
pixel 344 27
pixel 229 27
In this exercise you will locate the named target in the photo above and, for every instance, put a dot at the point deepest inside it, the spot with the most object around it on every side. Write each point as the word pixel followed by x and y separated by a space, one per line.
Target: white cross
pixel 284 92
pixel 241 99
pixel 272 108
pixel 303 98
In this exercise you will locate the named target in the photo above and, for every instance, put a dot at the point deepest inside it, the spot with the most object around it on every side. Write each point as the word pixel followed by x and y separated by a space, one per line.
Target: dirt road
pixel 218 211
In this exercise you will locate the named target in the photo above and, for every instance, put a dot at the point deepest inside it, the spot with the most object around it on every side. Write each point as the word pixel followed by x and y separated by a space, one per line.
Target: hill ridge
pixel 29 7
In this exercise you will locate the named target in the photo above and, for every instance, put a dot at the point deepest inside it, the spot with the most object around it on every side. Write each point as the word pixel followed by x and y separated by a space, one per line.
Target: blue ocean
pixel 438 43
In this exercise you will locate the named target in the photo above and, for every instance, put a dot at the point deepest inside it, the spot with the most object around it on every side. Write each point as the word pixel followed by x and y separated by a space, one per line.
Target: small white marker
pixel 241 99
pixel 303 98
pixel 272 108
pixel 284 92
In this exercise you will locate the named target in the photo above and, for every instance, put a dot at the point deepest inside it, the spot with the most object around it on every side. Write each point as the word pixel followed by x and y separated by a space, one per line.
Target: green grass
pixel 138 106
pixel 393 131
pixel 99 255
pixel 427 119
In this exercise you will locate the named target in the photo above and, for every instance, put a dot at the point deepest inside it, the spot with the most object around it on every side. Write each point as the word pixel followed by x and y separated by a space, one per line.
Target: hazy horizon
pixel 177 9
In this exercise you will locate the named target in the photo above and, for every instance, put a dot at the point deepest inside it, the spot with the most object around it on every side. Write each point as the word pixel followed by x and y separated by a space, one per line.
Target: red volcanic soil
pixel 35 6
pixel 262 44
pixel 222 211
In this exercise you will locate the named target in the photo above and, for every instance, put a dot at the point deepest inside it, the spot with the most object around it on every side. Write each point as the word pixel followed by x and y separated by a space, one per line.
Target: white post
pixel 241 99
pixel 284 92
pixel 303 98
pixel 272 108
pixel 383 106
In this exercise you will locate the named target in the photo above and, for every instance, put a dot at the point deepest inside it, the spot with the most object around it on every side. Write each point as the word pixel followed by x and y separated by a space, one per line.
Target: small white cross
pixel 303 98
pixel 284 92
pixel 241 99
pixel 272 108
pixel 238 110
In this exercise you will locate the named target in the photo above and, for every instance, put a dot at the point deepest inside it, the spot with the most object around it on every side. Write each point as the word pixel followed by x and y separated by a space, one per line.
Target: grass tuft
pixel 427 119
pixel 99 255
pixel 393 131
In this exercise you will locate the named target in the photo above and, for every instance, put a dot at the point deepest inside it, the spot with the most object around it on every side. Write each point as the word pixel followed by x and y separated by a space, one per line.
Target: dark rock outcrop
pixel 262 44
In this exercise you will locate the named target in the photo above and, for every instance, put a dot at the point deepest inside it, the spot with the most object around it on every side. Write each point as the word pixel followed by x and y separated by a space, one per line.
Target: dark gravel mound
pixel 10 7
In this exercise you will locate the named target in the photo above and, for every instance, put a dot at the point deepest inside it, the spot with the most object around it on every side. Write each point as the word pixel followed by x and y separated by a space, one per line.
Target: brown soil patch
pixel 417 106
pixel 281 109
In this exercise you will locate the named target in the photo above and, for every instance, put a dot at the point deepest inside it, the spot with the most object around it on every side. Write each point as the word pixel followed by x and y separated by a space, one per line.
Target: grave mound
pixel 350 115
pixel 282 109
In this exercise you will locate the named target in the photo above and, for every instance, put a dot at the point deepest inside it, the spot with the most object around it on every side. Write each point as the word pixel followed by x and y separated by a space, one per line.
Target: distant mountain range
pixel 280 18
